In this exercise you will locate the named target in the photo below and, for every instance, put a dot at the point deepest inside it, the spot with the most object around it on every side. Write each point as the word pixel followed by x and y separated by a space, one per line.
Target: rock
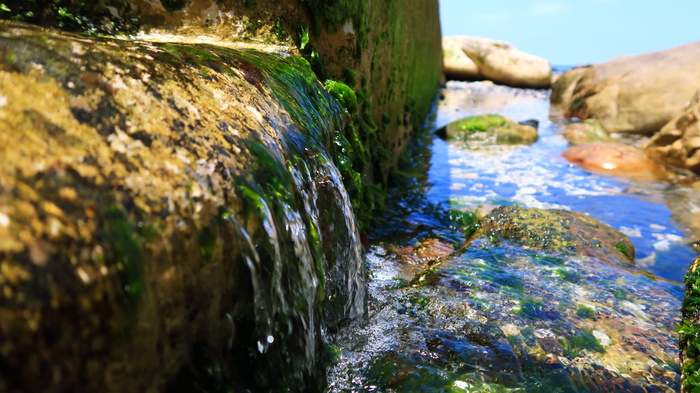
pixel 617 159
pixel 489 129
pixel 631 94
pixel 689 330
pixel 456 64
pixel 534 123
pixel 678 142
pixel 587 131
pixel 502 63
pixel 560 231
pixel 170 214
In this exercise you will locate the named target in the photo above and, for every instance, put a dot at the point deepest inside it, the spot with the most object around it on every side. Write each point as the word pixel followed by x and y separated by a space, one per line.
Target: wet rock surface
pixel 520 307
pixel 559 231
pixel 170 217
pixel 616 159
pixel 489 129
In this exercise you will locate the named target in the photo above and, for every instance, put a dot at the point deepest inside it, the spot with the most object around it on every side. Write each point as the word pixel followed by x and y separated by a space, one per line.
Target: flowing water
pixel 498 317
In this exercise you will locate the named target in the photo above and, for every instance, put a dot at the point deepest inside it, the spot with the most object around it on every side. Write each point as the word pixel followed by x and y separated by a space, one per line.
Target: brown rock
pixel 631 94
pixel 618 159
pixel 678 141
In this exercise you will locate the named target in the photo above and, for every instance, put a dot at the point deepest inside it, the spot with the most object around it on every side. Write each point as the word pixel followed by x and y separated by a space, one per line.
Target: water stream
pixel 497 317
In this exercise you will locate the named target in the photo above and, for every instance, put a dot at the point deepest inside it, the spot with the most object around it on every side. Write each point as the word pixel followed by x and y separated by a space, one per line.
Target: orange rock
pixel 617 159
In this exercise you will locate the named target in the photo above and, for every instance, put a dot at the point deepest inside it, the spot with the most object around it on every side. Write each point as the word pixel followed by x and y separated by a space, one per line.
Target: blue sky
pixel 576 32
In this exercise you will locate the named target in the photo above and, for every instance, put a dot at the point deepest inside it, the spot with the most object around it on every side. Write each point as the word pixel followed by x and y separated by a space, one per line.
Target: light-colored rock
pixel 503 63
pixel 678 142
pixel 587 131
pixel 631 94
pixel 617 159
pixel 456 64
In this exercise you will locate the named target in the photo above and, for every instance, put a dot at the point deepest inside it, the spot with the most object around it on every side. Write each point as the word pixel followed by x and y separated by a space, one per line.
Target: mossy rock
pixel 689 330
pixel 557 231
pixel 169 214
pixel 489 129
pixel 588 131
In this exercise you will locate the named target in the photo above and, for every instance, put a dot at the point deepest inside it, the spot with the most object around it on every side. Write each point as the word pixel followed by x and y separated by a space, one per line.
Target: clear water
pixel 501 318
pixel 473 177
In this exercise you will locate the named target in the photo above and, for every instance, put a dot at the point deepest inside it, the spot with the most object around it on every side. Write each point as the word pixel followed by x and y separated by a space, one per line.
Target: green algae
pixel 689 331
pixel 126 251
pixel 583 340
pixel 585 312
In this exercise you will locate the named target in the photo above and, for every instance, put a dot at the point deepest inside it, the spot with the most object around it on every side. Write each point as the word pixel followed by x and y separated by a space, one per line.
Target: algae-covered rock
pixel 690 331
pixel 489 129
pixel 388 52
pixel 588 131
pixel 170 217
pixel 555 230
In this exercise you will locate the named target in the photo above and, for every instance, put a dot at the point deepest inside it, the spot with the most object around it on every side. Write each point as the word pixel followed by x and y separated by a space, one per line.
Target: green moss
pixel 343 93
pixel 479 123
pixel 125 250
pixel 530 307
pixel 690 331
pixel 585 312
pixel 584 340
pixel 207 244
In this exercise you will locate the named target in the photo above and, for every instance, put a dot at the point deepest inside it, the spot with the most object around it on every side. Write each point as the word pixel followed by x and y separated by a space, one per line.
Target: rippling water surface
pixel 655 215
pixel 503 318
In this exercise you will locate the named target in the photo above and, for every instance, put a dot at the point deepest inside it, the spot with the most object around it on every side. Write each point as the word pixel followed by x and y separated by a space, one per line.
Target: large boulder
pixel 678 142
pixel 456 64
pixel 387 52
pixel 503 63
pixel 631 94
pixel 168 209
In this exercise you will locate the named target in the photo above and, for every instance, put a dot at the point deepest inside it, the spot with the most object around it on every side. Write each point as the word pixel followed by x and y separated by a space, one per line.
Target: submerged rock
pixel 558 231
pixel 170 216
pixel 631 94
pixel 588 131
pixel 489 129
pixel 678 142
pixel 617 159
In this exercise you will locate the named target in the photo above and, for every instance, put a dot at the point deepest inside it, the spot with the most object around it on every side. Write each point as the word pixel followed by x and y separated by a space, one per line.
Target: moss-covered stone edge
pixel 689 330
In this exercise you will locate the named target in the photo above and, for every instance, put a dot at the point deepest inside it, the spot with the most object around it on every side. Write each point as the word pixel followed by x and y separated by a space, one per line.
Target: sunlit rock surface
pixel 631 94
pixel 677 143
pixel 617 159
pixel 587 131
pixel 489 130
pixel 170 216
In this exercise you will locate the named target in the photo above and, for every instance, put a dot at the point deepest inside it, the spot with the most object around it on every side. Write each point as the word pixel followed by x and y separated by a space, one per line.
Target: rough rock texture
pixel 689 330
pixel 489 129
pixel 614 158
pixel 502 63
pixel 678 142
pixel 169 213
pixel 387 52
pixel 456 64
pixel 631 94
pixel 556 230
